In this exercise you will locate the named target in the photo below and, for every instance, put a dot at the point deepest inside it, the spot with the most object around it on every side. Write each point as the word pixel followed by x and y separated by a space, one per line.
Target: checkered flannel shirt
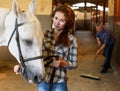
pixel 106 37
pixel 67 53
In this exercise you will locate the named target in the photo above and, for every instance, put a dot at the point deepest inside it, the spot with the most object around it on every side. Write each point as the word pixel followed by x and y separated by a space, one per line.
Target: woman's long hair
pixel 70 21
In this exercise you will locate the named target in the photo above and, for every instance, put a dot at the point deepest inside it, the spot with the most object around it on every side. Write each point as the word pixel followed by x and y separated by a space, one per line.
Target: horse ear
pixel 32 6
pixel 15 7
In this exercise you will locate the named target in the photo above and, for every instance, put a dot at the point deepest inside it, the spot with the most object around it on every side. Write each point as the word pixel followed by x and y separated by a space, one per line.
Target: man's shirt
pixel 105 36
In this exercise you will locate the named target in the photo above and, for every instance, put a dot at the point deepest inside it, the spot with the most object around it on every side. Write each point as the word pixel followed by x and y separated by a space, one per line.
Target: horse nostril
pixel 37 79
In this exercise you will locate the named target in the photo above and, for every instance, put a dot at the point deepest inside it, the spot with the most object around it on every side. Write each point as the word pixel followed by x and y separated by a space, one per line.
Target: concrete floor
pixel 86 54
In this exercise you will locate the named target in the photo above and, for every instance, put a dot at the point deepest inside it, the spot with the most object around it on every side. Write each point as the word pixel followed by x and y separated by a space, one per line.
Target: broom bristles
pixel 90 76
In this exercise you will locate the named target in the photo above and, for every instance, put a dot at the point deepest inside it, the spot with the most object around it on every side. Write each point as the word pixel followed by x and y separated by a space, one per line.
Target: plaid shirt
pixel 106 37
pixel 67 53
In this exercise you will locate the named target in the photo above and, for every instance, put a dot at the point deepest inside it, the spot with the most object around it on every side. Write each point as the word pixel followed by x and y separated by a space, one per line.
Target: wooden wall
pixel 44 7
pixel 114 23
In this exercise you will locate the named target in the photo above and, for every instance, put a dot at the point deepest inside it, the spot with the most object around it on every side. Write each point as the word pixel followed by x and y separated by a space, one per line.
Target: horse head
pixel 22 33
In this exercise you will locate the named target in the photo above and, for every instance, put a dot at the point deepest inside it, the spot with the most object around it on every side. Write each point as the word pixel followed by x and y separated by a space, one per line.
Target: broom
pixel 90 75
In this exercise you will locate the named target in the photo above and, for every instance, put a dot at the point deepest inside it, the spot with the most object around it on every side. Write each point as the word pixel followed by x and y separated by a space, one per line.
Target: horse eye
pixel 28 42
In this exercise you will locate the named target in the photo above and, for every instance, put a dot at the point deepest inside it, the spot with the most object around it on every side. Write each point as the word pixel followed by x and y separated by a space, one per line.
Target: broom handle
pixel 93 66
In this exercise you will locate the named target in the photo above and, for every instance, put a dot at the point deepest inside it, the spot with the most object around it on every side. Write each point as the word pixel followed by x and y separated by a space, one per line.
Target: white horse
pixel 21 32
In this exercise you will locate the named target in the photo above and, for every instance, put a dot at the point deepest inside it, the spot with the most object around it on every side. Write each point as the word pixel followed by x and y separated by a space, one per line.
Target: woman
pixel 58 41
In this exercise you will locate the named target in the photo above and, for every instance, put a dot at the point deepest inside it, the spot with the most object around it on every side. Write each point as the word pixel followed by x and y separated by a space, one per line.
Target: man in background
pixel 105 42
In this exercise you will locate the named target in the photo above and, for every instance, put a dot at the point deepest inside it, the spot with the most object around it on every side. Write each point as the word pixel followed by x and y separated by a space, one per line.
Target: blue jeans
pixel 44 86
pixel 108 53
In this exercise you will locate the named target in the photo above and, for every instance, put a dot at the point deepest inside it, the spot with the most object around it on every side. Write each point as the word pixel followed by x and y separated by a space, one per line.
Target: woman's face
pixel 59 21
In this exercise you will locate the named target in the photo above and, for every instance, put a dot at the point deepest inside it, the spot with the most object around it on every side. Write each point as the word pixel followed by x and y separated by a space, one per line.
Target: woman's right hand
pixel 16 69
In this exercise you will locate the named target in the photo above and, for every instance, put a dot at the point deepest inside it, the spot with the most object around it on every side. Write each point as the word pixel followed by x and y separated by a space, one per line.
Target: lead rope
pixel 52 76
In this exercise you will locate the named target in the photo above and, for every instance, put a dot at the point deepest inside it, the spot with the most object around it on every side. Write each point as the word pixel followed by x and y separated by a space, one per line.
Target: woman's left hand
pixel 63 63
